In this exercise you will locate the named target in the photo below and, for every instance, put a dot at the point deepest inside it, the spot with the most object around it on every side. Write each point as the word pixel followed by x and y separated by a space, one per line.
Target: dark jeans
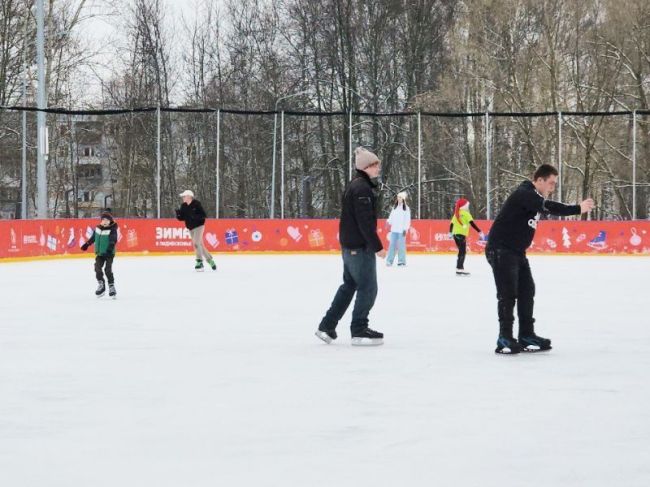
pixel 99 263
pixel 461 243
pixel 515 284
pixel 360 277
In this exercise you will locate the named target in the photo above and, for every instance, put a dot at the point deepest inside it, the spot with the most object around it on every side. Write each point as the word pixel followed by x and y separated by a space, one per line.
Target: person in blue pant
pixel 360 245
pixel 399 222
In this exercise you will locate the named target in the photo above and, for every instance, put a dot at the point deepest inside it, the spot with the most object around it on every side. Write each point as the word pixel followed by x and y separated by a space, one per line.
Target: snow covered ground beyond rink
pixel 216 379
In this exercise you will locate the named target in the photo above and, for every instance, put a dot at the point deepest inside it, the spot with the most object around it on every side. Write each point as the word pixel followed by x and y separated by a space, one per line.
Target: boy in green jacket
pixel 104 237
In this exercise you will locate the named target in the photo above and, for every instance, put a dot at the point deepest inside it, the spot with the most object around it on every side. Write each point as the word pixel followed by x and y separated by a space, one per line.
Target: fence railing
pixel 294 164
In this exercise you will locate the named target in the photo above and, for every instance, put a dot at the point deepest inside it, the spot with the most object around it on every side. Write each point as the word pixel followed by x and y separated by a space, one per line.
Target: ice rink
pixel 216 378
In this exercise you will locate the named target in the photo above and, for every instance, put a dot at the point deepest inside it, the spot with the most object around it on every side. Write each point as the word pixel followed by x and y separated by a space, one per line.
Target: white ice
pixel 217 379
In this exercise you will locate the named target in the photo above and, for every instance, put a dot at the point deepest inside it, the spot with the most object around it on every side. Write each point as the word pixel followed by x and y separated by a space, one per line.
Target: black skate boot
pixel 534 343
pixel 101 289
pixel 367 337
pixel 212 265
pixel 507 345
pixel 198 267
pixel 326 335
pixel 111 290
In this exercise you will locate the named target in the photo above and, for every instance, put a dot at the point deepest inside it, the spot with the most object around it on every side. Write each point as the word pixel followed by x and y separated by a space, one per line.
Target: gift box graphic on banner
pixel 131 238
pixel 316 238
pixel 231 237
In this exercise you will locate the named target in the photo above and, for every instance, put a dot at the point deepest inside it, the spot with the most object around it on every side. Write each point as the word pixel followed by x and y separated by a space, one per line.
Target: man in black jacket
pixel 193 214
pixel 360 244
pixel 511 234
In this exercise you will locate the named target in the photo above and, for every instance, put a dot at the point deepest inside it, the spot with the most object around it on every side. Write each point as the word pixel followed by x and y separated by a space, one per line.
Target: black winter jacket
pixel 515 225
pixel 193 214
pixel 358 225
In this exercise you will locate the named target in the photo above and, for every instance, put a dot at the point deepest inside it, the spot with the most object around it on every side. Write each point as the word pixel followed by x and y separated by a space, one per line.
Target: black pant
pixel 515 284
pixel 99 263
pixel 360 277
pixel 461 243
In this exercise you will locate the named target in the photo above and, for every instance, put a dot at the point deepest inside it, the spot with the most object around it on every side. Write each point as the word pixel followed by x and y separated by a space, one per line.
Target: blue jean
pixel 397 241
pixel 360 277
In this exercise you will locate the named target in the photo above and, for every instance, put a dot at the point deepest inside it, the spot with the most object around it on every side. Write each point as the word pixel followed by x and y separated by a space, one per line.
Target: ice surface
pixel 216 378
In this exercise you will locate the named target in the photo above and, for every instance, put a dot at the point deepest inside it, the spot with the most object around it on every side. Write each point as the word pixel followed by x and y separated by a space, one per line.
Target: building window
pixel 89 172
pixel 8 194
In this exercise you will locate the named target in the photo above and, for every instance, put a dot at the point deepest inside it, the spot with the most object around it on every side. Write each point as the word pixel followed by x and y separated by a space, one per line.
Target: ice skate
pixel 507 346
pixel 533 343
pixel 101 289
pixel 367 338
pixel 328 336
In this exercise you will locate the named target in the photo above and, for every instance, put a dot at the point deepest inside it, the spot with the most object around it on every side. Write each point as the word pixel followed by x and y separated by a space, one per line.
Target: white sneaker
pixel 462 272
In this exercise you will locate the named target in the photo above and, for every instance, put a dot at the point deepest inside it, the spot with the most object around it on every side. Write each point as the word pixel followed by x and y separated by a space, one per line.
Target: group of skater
pixel 510 236
pixel 104 238
pixel 399 223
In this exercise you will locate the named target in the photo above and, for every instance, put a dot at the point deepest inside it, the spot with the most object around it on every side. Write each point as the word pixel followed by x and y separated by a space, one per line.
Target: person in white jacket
pixel 399 222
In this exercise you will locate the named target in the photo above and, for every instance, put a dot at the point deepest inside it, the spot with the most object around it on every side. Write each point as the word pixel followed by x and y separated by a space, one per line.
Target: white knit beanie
pixel 364 158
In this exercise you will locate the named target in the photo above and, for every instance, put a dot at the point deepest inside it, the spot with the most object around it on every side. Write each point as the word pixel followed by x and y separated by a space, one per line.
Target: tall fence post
pixel 42 146
pixel 158 161
pixel 217 189
pixel 350 145
pixel 488 188
pixel 419 164
pixel 282 165
pixel 23 182
pixel 559 154
pixel 275 131
pixel 634 165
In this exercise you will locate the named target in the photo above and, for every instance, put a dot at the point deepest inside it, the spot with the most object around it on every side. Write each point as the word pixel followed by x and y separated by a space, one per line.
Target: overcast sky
pixel 103 30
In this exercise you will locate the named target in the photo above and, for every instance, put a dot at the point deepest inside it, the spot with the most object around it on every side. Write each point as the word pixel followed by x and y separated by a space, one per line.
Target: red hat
pixel 459 204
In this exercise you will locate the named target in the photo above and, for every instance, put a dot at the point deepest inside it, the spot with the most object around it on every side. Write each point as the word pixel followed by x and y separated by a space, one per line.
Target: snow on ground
pixel 209 379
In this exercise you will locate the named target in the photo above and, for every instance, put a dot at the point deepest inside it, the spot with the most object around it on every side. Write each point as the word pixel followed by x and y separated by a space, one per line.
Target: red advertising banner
pixel 36 238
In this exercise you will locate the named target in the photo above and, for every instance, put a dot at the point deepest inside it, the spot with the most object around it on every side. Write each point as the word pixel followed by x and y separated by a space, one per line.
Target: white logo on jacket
pixel 532 223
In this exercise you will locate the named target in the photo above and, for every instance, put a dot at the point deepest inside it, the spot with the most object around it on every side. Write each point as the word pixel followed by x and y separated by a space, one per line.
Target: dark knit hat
pixel 106 213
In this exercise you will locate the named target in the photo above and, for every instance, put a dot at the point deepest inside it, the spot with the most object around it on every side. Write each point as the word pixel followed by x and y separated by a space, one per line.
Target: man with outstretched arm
pixel 511 234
